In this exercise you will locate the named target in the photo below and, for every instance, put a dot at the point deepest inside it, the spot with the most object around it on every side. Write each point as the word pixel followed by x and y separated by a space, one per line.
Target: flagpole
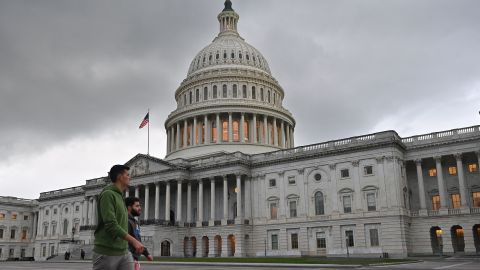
pixel 148 143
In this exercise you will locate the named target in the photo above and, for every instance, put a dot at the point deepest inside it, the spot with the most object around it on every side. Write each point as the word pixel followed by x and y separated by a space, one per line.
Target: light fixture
pixel 237 190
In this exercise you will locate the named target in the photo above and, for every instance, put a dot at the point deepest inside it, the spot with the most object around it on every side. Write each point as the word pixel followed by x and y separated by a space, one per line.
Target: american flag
pixel 145 121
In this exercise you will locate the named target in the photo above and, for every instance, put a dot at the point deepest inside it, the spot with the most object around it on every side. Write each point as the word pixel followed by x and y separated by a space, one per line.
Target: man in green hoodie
pixel 111 236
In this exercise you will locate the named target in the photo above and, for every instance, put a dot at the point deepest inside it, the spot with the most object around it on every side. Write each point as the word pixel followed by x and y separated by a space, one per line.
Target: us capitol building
pixel 233 183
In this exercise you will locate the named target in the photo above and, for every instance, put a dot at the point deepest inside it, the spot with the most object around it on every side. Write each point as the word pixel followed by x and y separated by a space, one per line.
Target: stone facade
pixel 250 192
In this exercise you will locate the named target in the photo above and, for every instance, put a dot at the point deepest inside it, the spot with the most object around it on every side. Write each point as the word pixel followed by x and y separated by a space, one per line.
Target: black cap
pixel 116 170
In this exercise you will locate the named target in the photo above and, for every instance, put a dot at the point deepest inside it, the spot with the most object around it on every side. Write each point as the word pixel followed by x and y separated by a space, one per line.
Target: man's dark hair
pixel 130 201
pixel 116 170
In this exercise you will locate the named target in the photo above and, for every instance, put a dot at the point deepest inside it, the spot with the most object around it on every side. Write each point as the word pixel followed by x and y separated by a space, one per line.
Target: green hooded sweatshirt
pixel 112 223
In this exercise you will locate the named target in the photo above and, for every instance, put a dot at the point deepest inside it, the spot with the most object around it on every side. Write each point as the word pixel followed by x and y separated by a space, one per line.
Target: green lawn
pixel 297 260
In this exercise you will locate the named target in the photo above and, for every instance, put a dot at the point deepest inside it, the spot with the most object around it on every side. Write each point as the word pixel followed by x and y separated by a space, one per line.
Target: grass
pixel 293 260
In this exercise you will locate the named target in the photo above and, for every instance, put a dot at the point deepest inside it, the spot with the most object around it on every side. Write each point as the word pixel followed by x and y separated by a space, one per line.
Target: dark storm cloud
pixel 78 68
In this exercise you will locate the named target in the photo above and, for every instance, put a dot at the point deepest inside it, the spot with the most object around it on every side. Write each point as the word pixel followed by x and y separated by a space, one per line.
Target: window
pixel 47 212
pixel 240 55
pixel 225 131
pixel 1 253
pixel 45 230
pixel 368 170
pixel 254 94
pixel 432 172
pixel 217 56
pixel 185 99
pixel 236 131
pixel 232 55
pixel 347 204
pixel 77 208
pixel 190 97
pixel 197 95
pixel 294 238
pixel 235 91
pixel 11 253
pixel 55 211
pixel 224 55
pixel 456 200
pixel 244 92
pixel 476 199
pixel 273 210
pixel 272 183
pixel 2 216
pixel 349 238
pixel 321 241
pixel 371 204
pixel 214 91
pixel 435 202
pixel 14 216
pixel 274 242
pixel 374 238
pixel 24 234
pixel 293 209
pixel 25 217
pixel 65 227
pixel 54 229
pixel 319 204
pixel 268 96
pixel 344 173
pixel 1 234
pixel 22 253
pixel 291 180
pixel 224 91
pixel 472 167
pixel 452 170
pixel 12 234
pixel 317 177
pixel 214 131
pixel 205 93
pixel 262 97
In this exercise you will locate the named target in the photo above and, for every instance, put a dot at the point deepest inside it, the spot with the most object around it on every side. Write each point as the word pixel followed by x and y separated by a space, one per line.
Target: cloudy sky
pixel 77 77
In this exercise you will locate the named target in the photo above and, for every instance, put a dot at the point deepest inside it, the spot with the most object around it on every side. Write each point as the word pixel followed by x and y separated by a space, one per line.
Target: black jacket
pixel 134 231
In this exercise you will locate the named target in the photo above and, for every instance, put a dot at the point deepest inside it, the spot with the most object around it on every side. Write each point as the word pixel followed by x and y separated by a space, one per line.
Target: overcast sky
pixel 77 77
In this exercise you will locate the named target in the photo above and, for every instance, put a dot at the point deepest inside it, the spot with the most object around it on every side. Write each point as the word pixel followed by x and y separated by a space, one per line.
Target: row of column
pixel 441 181
pixel 89 211
pixel 184 133
pixel 200 219
pixel 41 218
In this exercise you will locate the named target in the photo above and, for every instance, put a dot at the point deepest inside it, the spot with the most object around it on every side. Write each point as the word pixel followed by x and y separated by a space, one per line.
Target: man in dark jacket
pixel 134 210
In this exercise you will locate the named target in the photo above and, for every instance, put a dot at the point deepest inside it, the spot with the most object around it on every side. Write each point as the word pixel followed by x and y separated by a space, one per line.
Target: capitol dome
pixel 229 100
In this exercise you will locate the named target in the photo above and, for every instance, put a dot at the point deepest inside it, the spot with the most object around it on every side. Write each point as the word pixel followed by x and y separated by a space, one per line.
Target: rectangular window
pixel 476 199
pixel 349 238
pixel 347 204
pixel 456 201
pixel 321 241
pixel 472 167
pixel 47 212
pixel 44 251
pixel 294 238
pixel 273 210
pixel 272 183
pixel 55 211
pixel 374 238
pixel 1 233
pixel 22 253
pixel 2 216
pixel 371 203
pixel 45 231
pixel 54 229
pixel 14 216
pixel 368 170
pixel 1 253
pixel 291 180
pixel 205 93
pixel 432 172
pixel 11 253
pixel 77 208
pixel 24 234
pixel 293 209
pixel 435 202
pixel 344 173
pixel 12 234
pixel 452 170
pixel 274 242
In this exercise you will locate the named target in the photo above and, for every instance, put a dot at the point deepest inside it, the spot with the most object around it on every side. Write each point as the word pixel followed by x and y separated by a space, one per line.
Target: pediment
pixel 143 164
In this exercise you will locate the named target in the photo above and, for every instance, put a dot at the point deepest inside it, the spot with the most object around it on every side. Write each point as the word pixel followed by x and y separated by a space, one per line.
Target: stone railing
pixel 435 137
pixel 475 210
pixel 61 192
pixel 17 201
pixel 161 222
pixel 88 227
pixel 454 211
pixel 433 212
pixel 96 182
pixel 386 136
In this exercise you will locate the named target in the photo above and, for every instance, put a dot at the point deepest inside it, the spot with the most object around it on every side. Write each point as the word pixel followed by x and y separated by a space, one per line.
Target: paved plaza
pixel 457 264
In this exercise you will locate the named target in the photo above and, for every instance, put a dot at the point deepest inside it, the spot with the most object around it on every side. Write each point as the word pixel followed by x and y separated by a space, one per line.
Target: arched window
pixel 232 55
pixel 268 96
pixel 236 127
pixel 262 96
pixel 254 93
pixel 217 56
pixel 319 204
pixel 224 55
pixel 197 95
pixel 214 131
pixel 225 131
pixel 274 95
pixel 246 131
pixel 214 91
pixel 224 91
pixel 240 55
pixel 210 58
pixel 205 93
pixel 244 92
pixel 234 90
pixel 190 98
pixel 65 227
pixel 248 57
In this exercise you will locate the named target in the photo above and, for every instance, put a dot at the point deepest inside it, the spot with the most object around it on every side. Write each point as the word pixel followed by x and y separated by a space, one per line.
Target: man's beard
pixel 135 213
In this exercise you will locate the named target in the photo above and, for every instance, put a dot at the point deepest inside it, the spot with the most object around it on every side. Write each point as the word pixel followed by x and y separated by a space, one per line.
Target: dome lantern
pixel 228 19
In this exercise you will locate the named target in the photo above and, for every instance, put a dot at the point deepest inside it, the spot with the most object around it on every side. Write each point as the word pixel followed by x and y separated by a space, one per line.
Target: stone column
pixel 288 136
pixel 421 185
pixel 189 202
pixel 207 130
pixel 334 195
pixel 179 201
pixel 230 127
pixel 34 227
pixel 219 129
pixel 275 132
pixel 137 191
pixel 248 210
pixel 90 211
pixel 239 197
pixel 194 133
pixel 185 133
pixel 200 203
pixel 441 182
pixel 212 200
pixel 167 201
pixel 178 135
pixel 172 139
pixel 168 140
pixel 254 129
pixel 461 180
pixel 282 139
pixel 266 138
pixel 225 199
pixel 242 128
pixel 157 200
pixel 292 139
pixel 84 212
pixel 147 200
pixel 356 184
